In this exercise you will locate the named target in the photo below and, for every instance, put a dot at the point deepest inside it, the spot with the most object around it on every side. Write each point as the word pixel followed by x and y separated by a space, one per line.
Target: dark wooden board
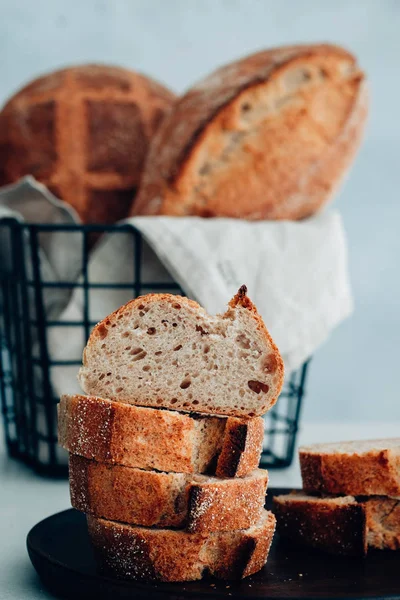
pixel 60 551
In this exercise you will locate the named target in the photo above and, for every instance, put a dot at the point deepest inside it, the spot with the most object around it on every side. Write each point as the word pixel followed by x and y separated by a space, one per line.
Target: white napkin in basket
pixel 296 272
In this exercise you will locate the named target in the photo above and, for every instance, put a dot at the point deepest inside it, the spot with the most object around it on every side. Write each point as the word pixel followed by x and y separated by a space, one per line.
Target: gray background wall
pixel 355 375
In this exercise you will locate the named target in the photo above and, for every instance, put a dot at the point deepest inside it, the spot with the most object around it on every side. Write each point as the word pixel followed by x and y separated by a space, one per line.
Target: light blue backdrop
pixel 356 374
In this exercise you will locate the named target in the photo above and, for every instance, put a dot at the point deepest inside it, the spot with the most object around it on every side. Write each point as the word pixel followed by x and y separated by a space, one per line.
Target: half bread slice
pixel 369 467
pixel 175 555
pixel 150 498
pixel 164 440
pixel 343 525
pixel 165 351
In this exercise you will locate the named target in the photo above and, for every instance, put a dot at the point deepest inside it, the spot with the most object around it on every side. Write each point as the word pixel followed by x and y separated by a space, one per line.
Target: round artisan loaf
pixel 267 137
pixel 84 132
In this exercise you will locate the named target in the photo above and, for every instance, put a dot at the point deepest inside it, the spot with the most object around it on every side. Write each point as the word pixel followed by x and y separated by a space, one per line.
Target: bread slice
pixel 165 351
pixel 370 467
pixel 175 555
pixel 165 440
pixel 151 498
pixel 269 136
pixel 339 525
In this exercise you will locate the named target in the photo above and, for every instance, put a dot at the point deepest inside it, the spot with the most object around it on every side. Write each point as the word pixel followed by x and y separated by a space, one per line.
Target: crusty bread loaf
pixel 84 132
pixel 175 555
pixel 165 351
pixel 339 525
pixel 267 137
pixel 165 440
pixel 370 467
pixel 197 503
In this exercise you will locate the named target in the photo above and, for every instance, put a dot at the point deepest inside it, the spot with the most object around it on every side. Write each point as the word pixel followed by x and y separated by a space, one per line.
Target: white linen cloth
pixel 296 272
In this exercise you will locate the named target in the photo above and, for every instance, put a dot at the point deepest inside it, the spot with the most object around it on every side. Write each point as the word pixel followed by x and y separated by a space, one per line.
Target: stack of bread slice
pixel 164 449
pixel 350 500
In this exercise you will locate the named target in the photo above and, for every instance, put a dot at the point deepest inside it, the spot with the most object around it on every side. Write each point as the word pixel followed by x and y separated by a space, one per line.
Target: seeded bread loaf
pixel 339 525
pixel 370 467
pixel 197 503
pixel 149 438
pixel 165 351
pixel 267 137
pixel 84 132
pixel 174 555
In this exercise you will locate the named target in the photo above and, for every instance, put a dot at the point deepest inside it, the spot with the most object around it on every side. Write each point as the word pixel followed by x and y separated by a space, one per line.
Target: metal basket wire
pixel 27 397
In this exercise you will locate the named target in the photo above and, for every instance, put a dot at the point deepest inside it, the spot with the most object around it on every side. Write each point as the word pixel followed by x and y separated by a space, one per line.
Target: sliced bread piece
pixel 175 555
pixel 339 525
pixel 165 440
pixel 165 351
pixel 369 467
pixel 150 498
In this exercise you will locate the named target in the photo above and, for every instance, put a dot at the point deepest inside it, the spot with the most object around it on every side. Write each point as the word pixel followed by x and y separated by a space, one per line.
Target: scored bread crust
pixel 165 351
pixel 84 132
pixel 269 136
pixel 174 555
pixel 354 468
pixel 151 498
pixel 339 525
pixel 149 438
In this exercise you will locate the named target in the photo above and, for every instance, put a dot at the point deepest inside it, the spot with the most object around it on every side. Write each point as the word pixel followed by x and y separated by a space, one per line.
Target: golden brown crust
pixel 309 135
pixel 322 523
pixel 151 498
pixel 84 132
pixel 149 438
pixel 369 473
pixel 175 555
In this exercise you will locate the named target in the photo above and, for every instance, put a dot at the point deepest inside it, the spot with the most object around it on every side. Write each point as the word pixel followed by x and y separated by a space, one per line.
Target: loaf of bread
pixel 165 351
pixel 267 137
pixel 197 503
pixel 149 438
pixel 339 525
pixel 175 555
pixel 369 467
pixel 84 132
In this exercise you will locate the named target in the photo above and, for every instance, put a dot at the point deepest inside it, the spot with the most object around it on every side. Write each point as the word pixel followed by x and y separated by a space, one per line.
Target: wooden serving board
pixel 60 551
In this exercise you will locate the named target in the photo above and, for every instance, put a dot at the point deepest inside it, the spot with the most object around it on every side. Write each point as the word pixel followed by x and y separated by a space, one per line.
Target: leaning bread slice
pixel 369 467
pixel 175 555
pixel 153 498
pixel 165 351
pixel 165 440
pixel 339 525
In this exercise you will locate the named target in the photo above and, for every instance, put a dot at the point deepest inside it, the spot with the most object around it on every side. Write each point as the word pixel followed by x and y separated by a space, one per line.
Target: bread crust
pixel 175 555
pixel 322 524
pixel 376 472
pixel 84 132
pixel 288 167
pixel 344 525
pixel 148 438
pixel 274 366
pixel 152 498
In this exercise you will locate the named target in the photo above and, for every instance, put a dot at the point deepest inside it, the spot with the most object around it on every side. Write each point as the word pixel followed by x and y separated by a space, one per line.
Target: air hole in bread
pixel 159 401
pixel 125 334
pixel 185 384
pixel 120 317
pixel 194 346
pixel 109 374
pixel 175 363
pixel 174 324
pixel 151 330
pixel 141 306
pixel 195 402
pixel 201 330
pixel 102 331
pixel 141 314
pixel 107 383
pixel 258 386
pixel 251 414
pixel 128 348
pixel 243 341
pixel 176 305
pixel 101 376
pixel 158 353
pixel 136 351
pixel 146 368
pixel 174 400
pixel 246 106
pixel 270 364
pixel 118 390
pixel 103 346
pixel 177 348
pixel 139 356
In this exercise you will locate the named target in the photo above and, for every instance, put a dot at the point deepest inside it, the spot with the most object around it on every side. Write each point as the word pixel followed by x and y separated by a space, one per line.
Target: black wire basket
pixel 29 404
